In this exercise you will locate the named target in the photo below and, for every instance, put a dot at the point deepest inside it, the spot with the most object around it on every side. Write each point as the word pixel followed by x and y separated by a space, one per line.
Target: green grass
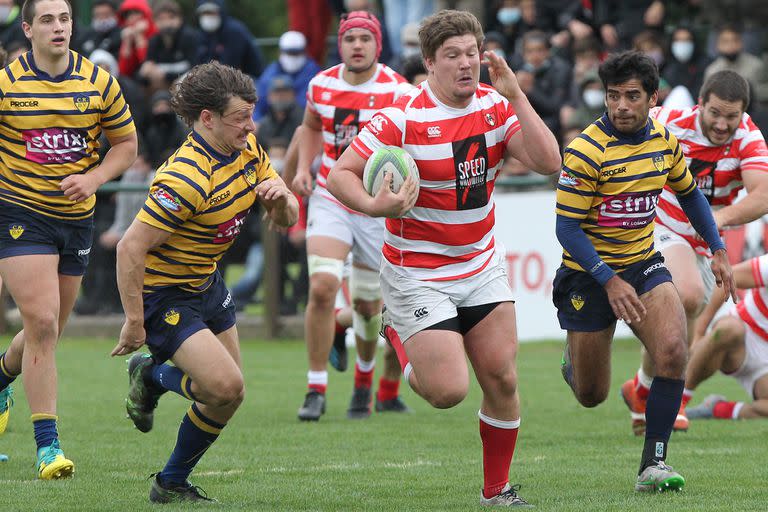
pixel 568 458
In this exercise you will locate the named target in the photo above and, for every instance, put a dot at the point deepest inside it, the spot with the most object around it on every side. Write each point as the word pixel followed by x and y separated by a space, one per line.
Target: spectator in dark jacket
pixel 226 39
pixel 133 94
pixel 10 23
pixel 283 114
pixel 686 62
pixel 104 32
pixel 172 51
pixel 164 133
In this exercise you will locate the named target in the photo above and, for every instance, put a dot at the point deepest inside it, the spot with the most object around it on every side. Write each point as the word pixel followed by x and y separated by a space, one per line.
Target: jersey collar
pixel 42 75
pixel 220 157
pixel 635 138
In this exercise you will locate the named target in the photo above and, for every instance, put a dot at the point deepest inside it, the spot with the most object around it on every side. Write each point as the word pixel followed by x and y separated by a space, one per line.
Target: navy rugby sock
pixel 171 378
pixel 45 429
pixel 196 434
pixel 6 377
pixel 660 414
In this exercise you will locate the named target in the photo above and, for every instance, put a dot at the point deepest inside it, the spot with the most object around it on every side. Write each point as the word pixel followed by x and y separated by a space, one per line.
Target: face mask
pixel 682 50
pixel 292 63
pixel 281 106
pixel 210 22
pixel 592 98
pixel 165 117
pixel 731 57
pixel 508 15
pixel 411 51
pixel 104 25
pixel 168 31
pixel 5 11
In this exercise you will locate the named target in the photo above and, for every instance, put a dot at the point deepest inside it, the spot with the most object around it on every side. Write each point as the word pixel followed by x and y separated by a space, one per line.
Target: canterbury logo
pixel 433 131
pixel 578 302
pixel 420 312
pixel 16 231
pixel 172 317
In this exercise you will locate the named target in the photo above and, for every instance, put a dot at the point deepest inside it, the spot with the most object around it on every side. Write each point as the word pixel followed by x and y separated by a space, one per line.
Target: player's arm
pixel 292 157
pixel 279 202
pixel 310 144
pixel 121 155
pixel 132 251
pixel 345 182
pixel 533 135
pixel 752 206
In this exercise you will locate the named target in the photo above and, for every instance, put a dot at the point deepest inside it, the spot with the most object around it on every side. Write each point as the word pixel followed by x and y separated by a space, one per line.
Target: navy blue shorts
pixel 24 231
pixel 582 303
pixel 172 315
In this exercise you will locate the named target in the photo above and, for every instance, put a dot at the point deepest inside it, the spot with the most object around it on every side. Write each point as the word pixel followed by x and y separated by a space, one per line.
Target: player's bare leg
pixel 366 320
pixel 590 365
pixel 439 368
pixel 721 349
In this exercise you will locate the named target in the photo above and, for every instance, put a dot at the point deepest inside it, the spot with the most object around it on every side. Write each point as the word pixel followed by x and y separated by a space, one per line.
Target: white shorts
pixel 664 237
pixel 755 363
pixel 365 234
pixel 414 305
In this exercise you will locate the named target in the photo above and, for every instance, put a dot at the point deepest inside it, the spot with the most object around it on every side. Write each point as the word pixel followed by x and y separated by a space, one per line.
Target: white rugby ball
pixel 389 159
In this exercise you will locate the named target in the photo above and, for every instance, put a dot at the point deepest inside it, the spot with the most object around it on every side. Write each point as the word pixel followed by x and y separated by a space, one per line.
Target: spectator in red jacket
pixel 137 27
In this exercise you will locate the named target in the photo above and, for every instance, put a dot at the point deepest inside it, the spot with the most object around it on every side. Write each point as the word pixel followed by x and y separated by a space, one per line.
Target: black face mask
pixel 730 57
pixel 168 31
pixel 164 118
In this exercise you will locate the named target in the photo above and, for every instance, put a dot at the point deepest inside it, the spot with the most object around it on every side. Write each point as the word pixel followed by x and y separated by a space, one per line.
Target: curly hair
pixel 209 87
pixel 622 67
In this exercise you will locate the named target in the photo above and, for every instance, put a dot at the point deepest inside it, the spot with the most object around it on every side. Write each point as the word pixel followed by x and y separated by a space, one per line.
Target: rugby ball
pixel 389 159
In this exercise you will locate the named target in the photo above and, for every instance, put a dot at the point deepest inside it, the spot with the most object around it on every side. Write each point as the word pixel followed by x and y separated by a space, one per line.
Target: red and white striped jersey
pixel 449 233
pixel 717 169
pixel 753 309
pixel 345 108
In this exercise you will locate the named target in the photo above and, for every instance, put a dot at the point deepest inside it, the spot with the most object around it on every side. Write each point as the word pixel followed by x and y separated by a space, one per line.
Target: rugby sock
pixel 364 373
pixel 317 381
pixel 394 339
pixel 196 434
pixel 660 414
pixel 45 429
pixel 727 410
pixel 171 378
pixel 499 438
pixel 6 376
pixel 642 384
pixel 388 389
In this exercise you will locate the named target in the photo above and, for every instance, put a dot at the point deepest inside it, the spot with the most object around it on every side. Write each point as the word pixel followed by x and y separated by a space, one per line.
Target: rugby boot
pixel 176 493
pixel 394 405
pixel 142 399
pixel 52 464
pixel 706 409
pixel 506 498
pixel 660 478
pixel 6 402
pixel 636 406
pixel 360 404
pixel 313 407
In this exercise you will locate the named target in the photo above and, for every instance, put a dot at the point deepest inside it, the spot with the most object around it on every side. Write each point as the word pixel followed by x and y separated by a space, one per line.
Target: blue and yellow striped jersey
pixel 202 197
pixel 612 182
pixel 49 129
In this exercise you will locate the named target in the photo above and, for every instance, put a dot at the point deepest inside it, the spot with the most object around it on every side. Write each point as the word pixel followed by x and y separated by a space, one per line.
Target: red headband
pixel 364 20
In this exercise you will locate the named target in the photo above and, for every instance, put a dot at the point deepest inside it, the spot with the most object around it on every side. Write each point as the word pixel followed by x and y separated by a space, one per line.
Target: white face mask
pixel 5 11
pixel 410 51
pixel 593 98
pixel 292 63
pixel 210 22
pixel 104 25
pixel 682 50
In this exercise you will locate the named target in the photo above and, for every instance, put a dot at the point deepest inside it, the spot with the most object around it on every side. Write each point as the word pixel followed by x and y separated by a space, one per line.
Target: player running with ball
pixel 443 276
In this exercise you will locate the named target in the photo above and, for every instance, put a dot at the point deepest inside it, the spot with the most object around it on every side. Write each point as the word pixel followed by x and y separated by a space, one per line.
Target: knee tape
pixel 316 264
pixel 364 284
pixel 367 330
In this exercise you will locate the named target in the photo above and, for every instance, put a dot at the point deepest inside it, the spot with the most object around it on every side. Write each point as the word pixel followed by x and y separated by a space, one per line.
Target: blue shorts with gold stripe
pixel 172 315
pixel 582 303
pixel 24 231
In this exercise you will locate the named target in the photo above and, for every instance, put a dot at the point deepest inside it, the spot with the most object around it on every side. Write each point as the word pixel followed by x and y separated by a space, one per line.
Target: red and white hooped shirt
pixel 717 169
pixel 345 108
pixel 449 233
pixel 753 308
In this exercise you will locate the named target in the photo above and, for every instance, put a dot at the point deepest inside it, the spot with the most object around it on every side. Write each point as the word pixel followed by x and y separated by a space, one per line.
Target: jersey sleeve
pixel 753 150
pixel 386 128
pixel 679 178
pixel 173 198
pixel 116 118
pixel 760 270
pixel 577 185
pixel 310 99
pixel 511 122
pixel 265 171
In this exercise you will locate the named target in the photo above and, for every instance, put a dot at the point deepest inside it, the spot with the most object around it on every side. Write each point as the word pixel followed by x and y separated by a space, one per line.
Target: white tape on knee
pixel 364 284
pixel 317 264
pixel 367 330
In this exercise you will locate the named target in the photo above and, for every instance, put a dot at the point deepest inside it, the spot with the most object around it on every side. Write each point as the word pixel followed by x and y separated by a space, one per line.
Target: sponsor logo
pixel 227 301
pixel 596 267
pixel 219 198
pixel 172 317
pixel 16 230
pixel 470 158
pixel 81 102
pixel 630 210
pixel 665 238
pixel 704 172
pixel 55 145
pixel 659 449
pixel 229 230
pixel 376 124
pixel 84 252
pixel 23 104
pixel 613 172
pixel 346 125
pixel 433 131
pixel 655 266
pixel 577 301
pixel 658 163
pixel 490 119
pixel 568 179
pixel 421 312
pixel 250 175
pixel 166 200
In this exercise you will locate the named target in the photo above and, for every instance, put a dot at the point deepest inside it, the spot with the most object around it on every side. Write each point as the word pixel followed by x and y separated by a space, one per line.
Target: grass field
pixel 568 458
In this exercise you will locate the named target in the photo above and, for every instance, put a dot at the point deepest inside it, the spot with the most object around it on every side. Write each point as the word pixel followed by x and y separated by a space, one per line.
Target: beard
pixel 361 68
